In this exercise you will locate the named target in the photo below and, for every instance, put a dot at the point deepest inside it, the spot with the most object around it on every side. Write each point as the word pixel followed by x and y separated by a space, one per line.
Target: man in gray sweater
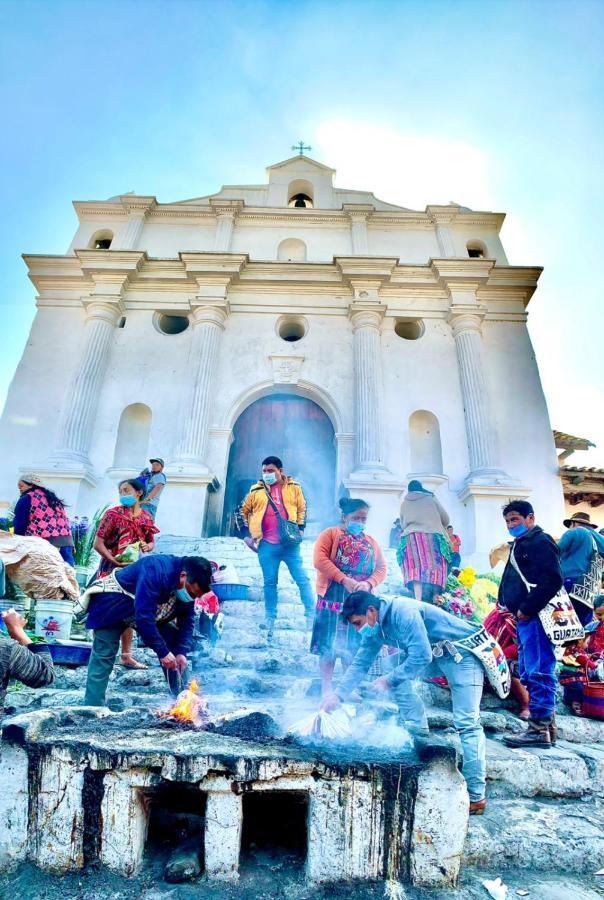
pixel 21 659
pixel 426 636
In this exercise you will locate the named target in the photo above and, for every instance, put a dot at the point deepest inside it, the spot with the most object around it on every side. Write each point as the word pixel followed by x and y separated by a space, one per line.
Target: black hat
pixel 157 459
pixel 580 518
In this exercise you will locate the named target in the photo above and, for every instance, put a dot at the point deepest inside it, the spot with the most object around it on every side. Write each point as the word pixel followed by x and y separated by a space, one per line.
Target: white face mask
pixel 269 477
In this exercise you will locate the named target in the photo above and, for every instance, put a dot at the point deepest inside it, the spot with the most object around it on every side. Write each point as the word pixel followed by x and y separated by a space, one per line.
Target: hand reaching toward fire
pixel 181 662
pixel 169 661
pixel 331 702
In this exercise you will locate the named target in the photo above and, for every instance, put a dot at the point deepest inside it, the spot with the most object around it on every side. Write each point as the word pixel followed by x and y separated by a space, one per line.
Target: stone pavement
pixel 546 807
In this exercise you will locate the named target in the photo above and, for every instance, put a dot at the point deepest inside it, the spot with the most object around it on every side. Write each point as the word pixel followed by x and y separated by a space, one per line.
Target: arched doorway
pixel 299 432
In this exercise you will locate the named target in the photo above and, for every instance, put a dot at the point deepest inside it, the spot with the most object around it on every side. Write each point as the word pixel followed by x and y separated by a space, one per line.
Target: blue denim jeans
pixel 466 680
pixel 537 665
pixel 270 557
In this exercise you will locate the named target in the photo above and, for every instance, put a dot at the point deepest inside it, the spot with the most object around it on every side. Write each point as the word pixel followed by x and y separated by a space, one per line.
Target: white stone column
pixel 366 323
pixel 208 324
pixel 222 843
pixel 137 209
pixel 225 222
pixel 358 215
pixel 82 398
pixel 479 429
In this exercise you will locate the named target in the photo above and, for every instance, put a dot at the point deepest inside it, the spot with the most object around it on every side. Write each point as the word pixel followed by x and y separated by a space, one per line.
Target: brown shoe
pixel 553 732
pixel 477 807
pixel 536 735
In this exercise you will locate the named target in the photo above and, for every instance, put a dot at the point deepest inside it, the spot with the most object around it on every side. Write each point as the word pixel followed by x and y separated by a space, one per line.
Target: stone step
pixel 555 772
pixel 549 836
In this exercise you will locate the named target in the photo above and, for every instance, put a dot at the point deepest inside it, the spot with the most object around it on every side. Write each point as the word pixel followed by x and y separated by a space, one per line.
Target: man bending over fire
pixel 424 634
pixel 155 595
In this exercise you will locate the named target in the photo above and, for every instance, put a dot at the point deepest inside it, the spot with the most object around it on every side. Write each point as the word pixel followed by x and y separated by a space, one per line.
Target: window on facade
pixel 292 328
pixel 168 324
pixel 301 201
pixel 291 250
pixel 476 250
pixel 409 329
pixel 101 240
pixel 301 194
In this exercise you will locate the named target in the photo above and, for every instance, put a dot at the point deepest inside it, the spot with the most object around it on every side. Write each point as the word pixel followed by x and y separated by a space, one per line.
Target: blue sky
pixel 496 105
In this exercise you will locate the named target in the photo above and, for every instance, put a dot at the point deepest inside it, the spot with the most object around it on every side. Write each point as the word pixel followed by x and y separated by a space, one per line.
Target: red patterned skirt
pixel 422 558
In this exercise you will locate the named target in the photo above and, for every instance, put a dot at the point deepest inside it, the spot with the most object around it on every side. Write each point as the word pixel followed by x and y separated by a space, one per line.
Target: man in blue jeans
pixel 536 555
pixel 420 629
pixel 274 498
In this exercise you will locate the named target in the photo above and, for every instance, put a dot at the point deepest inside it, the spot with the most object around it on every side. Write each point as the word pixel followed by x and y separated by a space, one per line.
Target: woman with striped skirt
pixel 424 551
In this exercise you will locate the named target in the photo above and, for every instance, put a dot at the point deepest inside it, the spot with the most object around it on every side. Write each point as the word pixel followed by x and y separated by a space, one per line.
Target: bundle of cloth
pixel 37 568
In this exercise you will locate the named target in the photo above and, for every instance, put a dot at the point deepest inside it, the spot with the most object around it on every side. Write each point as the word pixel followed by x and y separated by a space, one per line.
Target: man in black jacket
pixel 537 557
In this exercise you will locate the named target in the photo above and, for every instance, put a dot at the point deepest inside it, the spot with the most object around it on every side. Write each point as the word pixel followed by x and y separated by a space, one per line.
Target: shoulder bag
pixel 586 589
pixel 559 618
pixel 289 532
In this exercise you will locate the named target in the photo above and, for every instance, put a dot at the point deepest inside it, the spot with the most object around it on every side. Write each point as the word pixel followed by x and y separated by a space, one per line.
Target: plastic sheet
pixel 333 726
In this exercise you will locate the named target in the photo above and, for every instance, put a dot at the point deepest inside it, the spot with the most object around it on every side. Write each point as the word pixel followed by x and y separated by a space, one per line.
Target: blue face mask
pixel 127 500
pixel 355 527
pixel 368 630
pixel 183 595
pixel 518 530
pixel 269 477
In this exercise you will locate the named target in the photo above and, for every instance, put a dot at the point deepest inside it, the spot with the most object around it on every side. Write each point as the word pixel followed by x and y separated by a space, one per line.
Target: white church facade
pixel 363 342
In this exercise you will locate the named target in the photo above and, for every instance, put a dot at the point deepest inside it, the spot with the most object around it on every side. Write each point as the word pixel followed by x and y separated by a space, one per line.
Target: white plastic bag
pixel 333 726
pixel 226 575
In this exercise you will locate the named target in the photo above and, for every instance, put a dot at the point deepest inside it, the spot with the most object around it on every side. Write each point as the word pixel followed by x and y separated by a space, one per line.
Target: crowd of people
pixel 412 635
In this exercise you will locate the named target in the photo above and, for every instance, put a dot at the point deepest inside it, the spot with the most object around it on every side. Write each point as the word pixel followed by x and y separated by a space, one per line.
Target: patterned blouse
pixel 118 528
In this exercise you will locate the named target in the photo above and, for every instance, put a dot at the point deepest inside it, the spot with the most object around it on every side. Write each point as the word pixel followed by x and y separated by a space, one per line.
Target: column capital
pixel 209 311
pixel 224 207
pixel 358 211
pixel 138 206
pixel 366 315
pixel 106 308
pixel 466 318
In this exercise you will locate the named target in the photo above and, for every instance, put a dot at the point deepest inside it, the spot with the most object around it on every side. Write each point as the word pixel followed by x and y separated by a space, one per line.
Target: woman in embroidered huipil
pixel 40 513
pixel 120 526
pixel 346 560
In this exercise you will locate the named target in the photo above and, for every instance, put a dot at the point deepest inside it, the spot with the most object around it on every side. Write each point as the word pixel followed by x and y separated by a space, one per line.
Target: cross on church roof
pixel 301 147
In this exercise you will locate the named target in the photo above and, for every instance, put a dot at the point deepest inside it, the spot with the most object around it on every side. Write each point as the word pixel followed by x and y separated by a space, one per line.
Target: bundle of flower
pixel 470 596
pixel 83 532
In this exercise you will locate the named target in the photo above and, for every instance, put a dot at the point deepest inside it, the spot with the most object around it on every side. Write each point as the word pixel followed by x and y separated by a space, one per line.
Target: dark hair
pixel 198 570
pixel 272 461
pixel 415 485
pixel 523 507
pixel 135 483
pixel 599 601
pixel 350 505
pixel 53 501
pixel 357 604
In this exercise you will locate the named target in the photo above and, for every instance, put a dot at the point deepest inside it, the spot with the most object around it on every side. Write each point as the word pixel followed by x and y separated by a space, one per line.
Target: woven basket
pixel 593 700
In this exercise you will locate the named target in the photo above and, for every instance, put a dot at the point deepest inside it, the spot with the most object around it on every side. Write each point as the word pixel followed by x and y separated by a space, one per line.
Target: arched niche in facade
pixel 291 250
pixel 301 194
pixel 424 443
pixel 132 443
pixel 101 240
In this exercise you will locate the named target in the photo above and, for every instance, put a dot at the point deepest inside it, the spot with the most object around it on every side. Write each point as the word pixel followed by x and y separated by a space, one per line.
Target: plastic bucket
pixel 53 619
pixel 5 605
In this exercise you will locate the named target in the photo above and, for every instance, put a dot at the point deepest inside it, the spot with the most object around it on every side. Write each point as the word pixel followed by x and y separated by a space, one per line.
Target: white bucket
pixel 53 619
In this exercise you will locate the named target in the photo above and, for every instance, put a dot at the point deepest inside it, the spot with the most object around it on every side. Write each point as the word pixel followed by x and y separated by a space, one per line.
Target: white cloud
pixel 403 167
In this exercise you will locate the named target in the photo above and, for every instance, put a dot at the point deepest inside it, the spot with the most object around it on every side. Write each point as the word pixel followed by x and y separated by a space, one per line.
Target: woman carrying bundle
pixel 424 552
pixel 346 560
pixel 120 527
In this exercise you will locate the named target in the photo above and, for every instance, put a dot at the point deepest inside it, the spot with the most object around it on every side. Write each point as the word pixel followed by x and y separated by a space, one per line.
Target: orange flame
pixel 190 707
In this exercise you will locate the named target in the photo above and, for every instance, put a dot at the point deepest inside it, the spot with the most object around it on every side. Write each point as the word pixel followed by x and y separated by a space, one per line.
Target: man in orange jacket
pixel 276 497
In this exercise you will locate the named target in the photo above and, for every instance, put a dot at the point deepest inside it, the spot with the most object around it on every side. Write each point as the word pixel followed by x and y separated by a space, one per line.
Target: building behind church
pixel 363 342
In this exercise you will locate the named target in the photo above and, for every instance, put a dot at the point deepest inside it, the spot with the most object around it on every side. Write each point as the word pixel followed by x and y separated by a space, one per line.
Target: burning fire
pixel 190 707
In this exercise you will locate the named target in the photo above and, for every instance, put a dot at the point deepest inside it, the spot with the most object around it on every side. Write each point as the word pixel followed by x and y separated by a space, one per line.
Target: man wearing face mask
pixel 425 636
pixel 155 595
pixel 537 556
pixel 270 501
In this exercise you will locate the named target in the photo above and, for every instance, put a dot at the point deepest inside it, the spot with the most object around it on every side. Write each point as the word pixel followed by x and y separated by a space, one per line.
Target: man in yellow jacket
pixel 262 517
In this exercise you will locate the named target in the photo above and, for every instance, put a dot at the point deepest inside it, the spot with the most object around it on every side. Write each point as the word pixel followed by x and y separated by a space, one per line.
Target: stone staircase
pixel 546 807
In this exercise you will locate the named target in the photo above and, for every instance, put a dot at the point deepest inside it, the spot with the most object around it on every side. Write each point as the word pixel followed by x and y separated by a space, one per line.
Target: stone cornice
pixel 433 215
pixel 504 290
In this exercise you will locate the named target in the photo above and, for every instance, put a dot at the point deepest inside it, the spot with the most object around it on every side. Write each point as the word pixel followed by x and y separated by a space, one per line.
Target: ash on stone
pixel 249 726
